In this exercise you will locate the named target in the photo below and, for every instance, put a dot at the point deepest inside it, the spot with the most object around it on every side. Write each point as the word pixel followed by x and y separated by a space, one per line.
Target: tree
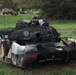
pixel 59 9
pixel 36 4
pixel 7 3
pixel 55 9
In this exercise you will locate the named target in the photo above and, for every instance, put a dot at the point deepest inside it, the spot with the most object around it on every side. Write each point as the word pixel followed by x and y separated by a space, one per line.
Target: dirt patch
pixel 45 67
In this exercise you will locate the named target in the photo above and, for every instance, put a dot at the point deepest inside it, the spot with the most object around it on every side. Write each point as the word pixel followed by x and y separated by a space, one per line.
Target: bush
pixel 59 9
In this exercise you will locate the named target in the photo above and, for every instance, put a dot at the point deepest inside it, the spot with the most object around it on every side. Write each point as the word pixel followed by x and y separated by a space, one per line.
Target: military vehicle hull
pixel 23 55
pixel 31 41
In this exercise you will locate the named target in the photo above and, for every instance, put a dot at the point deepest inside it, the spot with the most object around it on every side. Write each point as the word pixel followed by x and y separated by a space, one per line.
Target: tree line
pixel 60 9
pixel 55 9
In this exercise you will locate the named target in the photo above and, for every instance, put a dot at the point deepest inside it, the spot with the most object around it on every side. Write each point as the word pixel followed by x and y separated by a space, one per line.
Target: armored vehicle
pixel 32 41
pixel 9 11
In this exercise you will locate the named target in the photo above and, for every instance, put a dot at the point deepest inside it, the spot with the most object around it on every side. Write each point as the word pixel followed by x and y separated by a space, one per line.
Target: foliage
pixel 6 3
pixel 55 9
pixel 14 4
pixel 60 9
pixel 36 4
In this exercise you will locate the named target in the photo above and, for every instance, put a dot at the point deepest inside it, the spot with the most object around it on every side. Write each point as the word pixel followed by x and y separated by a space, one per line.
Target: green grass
pixel 64 69
pixel 64 25
pixel 62 72
pixel 9 21
pixel 68 34
pixel 66 28
pixel 5 69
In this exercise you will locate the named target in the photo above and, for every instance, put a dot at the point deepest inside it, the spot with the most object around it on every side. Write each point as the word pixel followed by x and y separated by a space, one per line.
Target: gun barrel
pixel 5 32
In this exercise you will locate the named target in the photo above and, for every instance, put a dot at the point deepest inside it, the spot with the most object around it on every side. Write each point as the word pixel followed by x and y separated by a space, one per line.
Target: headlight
pixel 26 33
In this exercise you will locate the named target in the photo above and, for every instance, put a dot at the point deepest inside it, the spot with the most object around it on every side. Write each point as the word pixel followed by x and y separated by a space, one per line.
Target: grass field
pixel 66 28
pixel 10 21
